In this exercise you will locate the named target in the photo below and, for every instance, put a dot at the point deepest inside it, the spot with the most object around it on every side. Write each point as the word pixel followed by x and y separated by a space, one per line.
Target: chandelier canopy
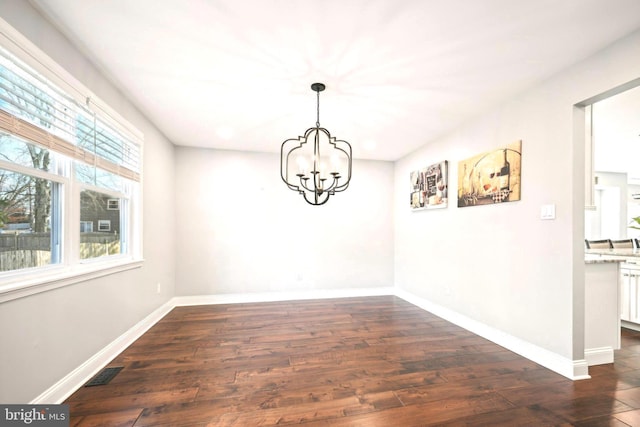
pixel 316 165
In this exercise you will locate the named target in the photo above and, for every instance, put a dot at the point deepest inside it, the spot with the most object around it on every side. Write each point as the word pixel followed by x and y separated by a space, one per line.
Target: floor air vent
pixel 103 377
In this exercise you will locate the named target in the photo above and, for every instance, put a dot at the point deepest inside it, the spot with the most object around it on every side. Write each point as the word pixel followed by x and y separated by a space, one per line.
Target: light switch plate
pixel 548 212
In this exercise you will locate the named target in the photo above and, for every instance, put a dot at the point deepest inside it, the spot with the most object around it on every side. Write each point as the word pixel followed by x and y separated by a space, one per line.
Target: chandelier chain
pixel 318 109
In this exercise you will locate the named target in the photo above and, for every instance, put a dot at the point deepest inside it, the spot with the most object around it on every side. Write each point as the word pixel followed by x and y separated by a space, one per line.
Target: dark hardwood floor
pixel 374 361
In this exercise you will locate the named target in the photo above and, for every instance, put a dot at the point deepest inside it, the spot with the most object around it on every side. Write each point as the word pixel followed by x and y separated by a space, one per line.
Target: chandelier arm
pixel 333 185
pixel 342 187
pixel 311 190
pixel 316 201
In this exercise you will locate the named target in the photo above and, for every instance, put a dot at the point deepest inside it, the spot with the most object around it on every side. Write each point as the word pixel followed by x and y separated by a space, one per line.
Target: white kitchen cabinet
pixel 601 311
pixel 630 293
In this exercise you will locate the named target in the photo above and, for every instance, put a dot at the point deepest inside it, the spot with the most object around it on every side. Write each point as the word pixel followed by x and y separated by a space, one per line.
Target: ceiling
pixel 236 74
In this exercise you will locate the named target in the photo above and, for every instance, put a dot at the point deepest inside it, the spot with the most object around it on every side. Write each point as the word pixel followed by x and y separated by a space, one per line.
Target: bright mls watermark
pixel 34 415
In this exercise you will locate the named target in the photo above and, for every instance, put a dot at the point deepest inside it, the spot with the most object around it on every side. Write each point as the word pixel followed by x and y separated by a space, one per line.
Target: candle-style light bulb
pixel 302 165
pixel 323 168
pixel 335 163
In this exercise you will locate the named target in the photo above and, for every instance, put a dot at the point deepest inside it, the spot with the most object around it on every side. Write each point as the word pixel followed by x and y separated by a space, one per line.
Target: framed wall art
pixel 491 177
pixel 430 187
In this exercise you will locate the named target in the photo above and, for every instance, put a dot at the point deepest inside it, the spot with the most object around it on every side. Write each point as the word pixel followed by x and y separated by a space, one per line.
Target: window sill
pixel 56 277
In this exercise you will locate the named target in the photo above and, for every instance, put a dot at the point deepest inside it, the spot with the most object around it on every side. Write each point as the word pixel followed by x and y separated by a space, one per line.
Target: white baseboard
pixel 630 325
pixel 598 356
pixel 280 296
pixel 575 370
pixel 78 377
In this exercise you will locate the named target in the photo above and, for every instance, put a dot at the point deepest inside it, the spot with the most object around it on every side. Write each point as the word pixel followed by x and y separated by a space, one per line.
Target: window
pixel 29 204
pixel 26 208
pixel 86 227
pixel 65 158
pixel 113 204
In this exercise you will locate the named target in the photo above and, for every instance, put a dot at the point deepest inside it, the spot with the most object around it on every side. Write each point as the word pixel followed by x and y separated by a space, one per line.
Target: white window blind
pixel 35 109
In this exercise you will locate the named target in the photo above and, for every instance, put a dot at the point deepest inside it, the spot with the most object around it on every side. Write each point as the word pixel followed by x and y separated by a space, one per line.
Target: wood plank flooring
pixel 371 361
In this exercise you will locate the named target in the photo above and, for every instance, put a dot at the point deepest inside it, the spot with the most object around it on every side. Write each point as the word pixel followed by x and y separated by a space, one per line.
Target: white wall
pixel 240 229
pixel 46 336
pixel 501 265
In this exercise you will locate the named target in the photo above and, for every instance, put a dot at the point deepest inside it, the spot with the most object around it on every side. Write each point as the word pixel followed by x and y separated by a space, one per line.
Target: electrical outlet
pixel 158 287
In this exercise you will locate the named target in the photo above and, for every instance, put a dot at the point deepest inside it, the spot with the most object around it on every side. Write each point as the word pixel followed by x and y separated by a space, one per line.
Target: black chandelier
pixel 316 165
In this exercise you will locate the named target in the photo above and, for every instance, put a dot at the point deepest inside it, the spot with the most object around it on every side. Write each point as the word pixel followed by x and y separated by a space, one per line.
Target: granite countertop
pixel 601 260
pixel 612 255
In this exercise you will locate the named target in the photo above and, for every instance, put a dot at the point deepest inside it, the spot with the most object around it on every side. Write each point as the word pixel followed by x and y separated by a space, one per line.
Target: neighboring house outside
pixel 99 213
pixel 18 220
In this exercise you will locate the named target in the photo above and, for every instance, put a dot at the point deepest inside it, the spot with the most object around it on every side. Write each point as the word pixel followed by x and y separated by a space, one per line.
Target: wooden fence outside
pixel 23 258
pixel 25 241
pixel 98 249
pixel 28 250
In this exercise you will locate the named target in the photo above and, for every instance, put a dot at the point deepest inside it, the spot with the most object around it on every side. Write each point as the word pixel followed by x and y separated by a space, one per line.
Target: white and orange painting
pixel 491 177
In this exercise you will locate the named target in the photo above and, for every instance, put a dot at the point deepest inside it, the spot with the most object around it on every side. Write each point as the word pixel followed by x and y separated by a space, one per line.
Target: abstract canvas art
pixel 491 177
pixel 430 187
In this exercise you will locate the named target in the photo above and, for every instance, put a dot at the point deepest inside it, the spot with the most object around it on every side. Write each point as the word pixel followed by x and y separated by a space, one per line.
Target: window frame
pixel 16 284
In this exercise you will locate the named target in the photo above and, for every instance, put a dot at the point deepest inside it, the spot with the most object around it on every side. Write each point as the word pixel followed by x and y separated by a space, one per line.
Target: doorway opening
pixel 611 125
